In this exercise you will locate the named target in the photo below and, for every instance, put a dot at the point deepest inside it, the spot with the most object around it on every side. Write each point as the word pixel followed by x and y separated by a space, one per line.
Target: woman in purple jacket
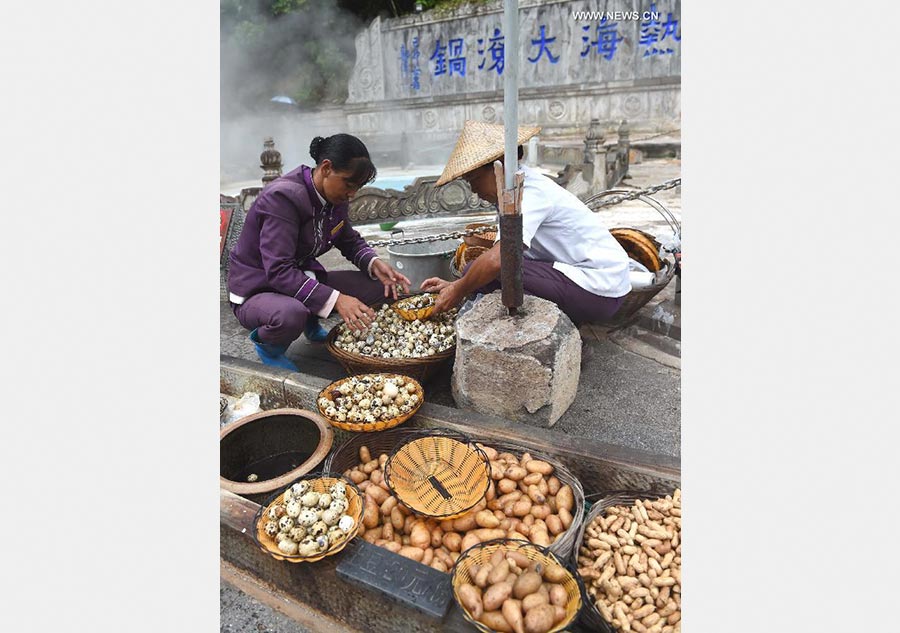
pixel 277 288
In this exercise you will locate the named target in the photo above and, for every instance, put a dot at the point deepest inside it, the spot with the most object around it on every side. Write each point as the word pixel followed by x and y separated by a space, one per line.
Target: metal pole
pixel 508 198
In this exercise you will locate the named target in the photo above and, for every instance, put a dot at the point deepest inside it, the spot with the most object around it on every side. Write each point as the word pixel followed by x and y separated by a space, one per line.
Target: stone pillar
pixel 270 160
pixel 523 368
pixel 595 157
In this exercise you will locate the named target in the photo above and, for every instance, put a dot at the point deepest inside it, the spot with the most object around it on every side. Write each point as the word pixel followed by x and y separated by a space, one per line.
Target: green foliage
pixel 280 7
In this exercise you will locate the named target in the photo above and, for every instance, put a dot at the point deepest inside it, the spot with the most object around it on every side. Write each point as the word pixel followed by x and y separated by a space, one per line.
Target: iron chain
pixel 669 184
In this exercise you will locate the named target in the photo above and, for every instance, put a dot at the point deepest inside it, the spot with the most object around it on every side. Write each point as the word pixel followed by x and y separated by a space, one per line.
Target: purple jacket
pixel 285 230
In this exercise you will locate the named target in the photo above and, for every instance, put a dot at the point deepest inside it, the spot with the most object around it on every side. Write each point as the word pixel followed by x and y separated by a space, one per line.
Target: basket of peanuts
pixel 530 497
pixel 629 558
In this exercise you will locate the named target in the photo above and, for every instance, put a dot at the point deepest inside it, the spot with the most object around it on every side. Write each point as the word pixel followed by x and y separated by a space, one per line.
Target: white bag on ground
pixel 246 405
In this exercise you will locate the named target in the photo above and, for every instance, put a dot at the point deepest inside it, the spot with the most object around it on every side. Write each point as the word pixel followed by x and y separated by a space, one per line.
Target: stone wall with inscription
pixel 426 74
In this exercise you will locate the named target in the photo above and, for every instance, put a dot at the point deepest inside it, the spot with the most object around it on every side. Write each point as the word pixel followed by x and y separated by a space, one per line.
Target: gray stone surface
pixel 241 613
pixel 523 368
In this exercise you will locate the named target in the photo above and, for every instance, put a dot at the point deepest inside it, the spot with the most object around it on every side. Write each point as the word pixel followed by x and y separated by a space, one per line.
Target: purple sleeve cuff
pixel 314 295
pixel 363 259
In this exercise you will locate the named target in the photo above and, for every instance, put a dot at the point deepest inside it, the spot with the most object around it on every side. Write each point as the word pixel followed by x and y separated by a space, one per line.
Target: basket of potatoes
pixel 515 586
pixel 556 514
pixel 629 558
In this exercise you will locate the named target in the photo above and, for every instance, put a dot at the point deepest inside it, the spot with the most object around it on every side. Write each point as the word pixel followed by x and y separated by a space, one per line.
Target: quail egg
pixel 307 518
pixel 287 546
pixel 285 523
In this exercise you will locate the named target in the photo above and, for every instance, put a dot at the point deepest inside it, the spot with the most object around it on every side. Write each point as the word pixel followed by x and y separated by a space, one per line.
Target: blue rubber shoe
pixel 314 330
pixel 271 354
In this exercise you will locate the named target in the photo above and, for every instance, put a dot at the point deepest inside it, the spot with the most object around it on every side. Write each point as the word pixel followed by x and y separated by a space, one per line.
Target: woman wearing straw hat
pixel 569 257
pixel 278 289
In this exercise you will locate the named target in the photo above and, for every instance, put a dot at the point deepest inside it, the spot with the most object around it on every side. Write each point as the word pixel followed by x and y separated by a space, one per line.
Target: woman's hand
pixel 390 278
pixel 449 294
pixel 354 312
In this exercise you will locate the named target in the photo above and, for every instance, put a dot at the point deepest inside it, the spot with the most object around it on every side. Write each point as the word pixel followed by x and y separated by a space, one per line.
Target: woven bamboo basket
pixel 640 246
pixel 419 368
pixel 591 615
pixel 346 456
pixel 471 254
pixel 457 257
pixel 485 239
pixel 319 482
pixel 563 545
pixel 438 475
pixel 481 554
pixel 367 427
pixel 411 314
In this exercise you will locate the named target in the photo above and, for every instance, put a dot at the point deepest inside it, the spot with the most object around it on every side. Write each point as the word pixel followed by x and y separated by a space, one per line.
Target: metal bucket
pixel 421 261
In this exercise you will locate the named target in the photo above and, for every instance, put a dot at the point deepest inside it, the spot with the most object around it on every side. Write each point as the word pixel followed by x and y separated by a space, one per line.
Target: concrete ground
pixel 629 392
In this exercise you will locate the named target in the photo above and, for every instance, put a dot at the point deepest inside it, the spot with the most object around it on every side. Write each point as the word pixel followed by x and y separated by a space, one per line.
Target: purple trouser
pixel 280 319
pixel 542 280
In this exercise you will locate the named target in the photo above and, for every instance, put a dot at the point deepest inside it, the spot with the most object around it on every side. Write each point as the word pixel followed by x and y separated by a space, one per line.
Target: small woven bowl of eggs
pixel 370 402
pixel 314 517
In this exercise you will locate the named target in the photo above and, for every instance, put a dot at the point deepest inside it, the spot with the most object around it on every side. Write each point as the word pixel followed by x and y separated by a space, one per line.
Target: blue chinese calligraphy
pixel 497 52
pixel 543 42
pixel 652 32
pixel 607 41
pixel 414 64
pixel 458 61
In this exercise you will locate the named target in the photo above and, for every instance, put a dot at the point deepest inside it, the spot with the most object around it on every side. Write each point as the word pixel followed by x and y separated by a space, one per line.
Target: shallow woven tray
pixel 591 615
pixel 319 482
pixel 419 368
pixel 438 475
pixel 411 314
pixel 368 427
pixel 481 553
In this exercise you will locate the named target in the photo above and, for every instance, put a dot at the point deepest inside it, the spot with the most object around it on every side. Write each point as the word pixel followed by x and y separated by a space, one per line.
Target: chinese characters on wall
pixel 600 41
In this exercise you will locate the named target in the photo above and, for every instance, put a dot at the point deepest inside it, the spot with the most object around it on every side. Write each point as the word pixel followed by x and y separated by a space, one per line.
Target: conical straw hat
pixel 479 144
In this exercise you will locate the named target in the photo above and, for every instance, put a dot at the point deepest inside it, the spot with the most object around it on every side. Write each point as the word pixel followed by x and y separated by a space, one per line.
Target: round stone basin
pixel 276 446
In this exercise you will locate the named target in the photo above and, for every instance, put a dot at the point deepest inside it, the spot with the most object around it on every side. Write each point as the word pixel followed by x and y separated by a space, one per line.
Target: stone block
pixel 523 368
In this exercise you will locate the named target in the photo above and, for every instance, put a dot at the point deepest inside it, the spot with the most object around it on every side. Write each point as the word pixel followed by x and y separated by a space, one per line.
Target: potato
pixel 439 565
pixel 520 559
pixel 553 484
pixel 497 469
pixel 510 497
pixel 437 536
pixel 415 553
pixel 506 486
pixel 452 541
pixel 371 536
pixel 540 619
pixel 495 620
pixel 508 457
pixel 532 479
pixel 377 476
pixel 555 573
pixel 397 518
pixel 378 495
pixel 465 523
pixel 496 595
pixel 526 584
pixel 540 537
pixel 408 523
pixel 393 546
pixel 491 491
pixel 516 473
pixel 487 534
pixel 387 531
pixel 498 574
pixel 534 600
pixel 489 451
pixel 428 556
pixel 420 536
pixel 541 511
pixel 522 507
pixel 382 459
pixel 357 476
pixel 554 524
pixel 558 595
pixel 512 611
pixel 388 505
pixel 370 514
pixel 512 534
pixel 486 519
pixel 470 598
pixel 365 485
pixel 566 517
pixel 543 487
pixel 364 455
pixel 538 466
pixel 370 466
pixel 534 493
pixel 565 498
pixel 468 541
pixel 442 555
pixel 559 614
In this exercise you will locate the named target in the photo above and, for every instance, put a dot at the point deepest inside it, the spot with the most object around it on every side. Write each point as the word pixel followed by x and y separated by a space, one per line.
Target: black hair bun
pixel 315 148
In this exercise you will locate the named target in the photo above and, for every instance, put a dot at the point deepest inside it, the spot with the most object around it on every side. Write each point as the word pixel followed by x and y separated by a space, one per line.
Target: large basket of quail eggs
pixel 314 517
pixel 395 344
pixel 370 402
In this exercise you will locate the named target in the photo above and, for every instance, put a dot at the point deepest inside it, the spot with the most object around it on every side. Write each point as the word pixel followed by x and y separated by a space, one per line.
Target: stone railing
pixel 372 204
